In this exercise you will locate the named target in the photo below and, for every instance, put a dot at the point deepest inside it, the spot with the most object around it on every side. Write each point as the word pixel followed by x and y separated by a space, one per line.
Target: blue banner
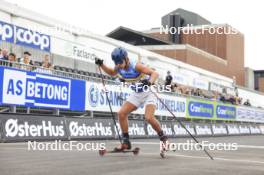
pixel 23 36
pixel 6 32
pixel 33 89
pixel 32 39
pixel 225 112
pixel 200 109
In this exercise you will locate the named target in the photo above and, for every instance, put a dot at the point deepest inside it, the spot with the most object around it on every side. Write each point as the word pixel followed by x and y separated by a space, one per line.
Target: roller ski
pixel 125 147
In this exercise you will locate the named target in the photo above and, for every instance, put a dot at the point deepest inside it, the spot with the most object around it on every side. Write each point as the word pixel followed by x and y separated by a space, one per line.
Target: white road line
pixel 157 143
pixel 215 158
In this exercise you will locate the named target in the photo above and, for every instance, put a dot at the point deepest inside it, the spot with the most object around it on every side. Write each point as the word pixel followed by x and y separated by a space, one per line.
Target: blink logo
pixel 31 89
pixel 24 129
pixel 93 95
pixel 22 36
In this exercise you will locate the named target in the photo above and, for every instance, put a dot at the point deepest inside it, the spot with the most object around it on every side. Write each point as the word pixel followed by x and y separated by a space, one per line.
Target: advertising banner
pixel 31 127
pixel 24 88
pixel 247 114
pixel 85 128
pixel 25 37
pixel 200 109
pixel 96 100
pixel 219 129
pixel 203 129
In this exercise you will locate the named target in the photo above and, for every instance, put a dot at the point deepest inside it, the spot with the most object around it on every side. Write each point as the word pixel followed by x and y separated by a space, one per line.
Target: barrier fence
pixel 34 89
pixel 34 127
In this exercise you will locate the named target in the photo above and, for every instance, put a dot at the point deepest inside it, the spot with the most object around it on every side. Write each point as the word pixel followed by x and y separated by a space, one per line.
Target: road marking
pixel 201 157
pixel 240 146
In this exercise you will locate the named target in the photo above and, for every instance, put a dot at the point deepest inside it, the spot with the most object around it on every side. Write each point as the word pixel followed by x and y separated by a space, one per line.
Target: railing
pixel 59 73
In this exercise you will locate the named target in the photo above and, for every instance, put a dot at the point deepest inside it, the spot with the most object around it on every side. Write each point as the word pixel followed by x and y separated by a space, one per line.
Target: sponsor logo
pixel 201 109
pixel 203 130
pixel 135 129
pixel 6 32
pixel 14 128
pixel 22 36
pixel 32 39
pixel 93 95
pixel 82 129
pixel 174 106
pixel 35 89
pixel 226 112
pixel 167 130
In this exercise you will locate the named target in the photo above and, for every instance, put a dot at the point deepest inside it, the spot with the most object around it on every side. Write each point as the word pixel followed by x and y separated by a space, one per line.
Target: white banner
pixel 203 129
pixel 179 130
pixel 254 129
pixel 261 127
pixel 219 129
pixel 200 83
pixel 72 50
pixel 233 129
pixel 244 129
pixel 249 114
pixel 96 100
pixel 180 78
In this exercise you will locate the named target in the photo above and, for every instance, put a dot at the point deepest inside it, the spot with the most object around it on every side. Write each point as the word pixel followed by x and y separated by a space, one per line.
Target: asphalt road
pixel 15 158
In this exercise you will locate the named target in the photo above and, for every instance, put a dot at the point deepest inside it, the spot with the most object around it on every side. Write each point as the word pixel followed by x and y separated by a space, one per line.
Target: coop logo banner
pixel 31 89
pixel 225 112
pixel 23 36
pixel 32 39
pixel 6 32
pixel 200 109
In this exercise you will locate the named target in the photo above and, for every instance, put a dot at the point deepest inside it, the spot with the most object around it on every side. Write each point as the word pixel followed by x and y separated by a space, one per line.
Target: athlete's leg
pixel 123 121
pixel 150 107
pixel 150 118
pixel 123 115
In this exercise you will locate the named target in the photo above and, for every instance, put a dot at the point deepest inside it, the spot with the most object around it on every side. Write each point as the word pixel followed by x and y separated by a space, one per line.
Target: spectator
pixel 177 89
pixel 168 79
pixel 198 92
pixel 4 57
pixel 4 54
pixel 12 57
pixel 46 62
pixel 222 97
pixel 247 103
pixel 232 100
pixel 26 61
pixel 12 60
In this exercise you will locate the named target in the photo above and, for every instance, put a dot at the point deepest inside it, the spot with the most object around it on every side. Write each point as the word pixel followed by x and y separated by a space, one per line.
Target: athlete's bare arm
pixel 148 71
pixel 109 70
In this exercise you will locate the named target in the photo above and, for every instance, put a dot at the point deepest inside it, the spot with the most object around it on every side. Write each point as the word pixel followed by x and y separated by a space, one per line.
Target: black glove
pixel 145 82
pixel 98 61
pixel 122 80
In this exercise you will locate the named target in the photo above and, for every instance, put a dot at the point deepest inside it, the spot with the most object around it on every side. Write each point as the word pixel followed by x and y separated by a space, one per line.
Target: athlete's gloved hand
pixel 98 61
pixel 122 80
pixel 145 82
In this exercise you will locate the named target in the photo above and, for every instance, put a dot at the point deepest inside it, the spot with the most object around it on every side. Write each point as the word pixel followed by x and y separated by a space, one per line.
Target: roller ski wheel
pixel 135 151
